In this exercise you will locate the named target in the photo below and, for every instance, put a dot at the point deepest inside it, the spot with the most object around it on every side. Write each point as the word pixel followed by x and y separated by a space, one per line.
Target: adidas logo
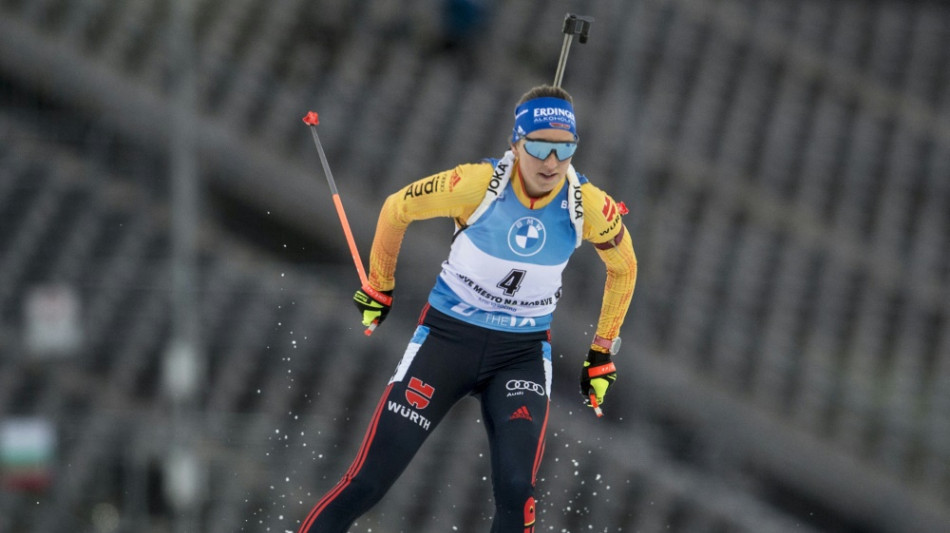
pixel 522 412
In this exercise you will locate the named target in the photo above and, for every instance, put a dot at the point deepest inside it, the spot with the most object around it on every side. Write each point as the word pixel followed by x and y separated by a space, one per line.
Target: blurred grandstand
pixel 786 364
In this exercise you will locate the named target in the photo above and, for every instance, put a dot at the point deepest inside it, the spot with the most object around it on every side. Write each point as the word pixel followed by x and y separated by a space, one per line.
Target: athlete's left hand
pixel 598 374
pixel 373 305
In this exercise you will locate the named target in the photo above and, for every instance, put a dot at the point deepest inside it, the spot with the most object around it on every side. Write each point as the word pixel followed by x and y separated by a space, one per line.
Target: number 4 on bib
pixel 512 282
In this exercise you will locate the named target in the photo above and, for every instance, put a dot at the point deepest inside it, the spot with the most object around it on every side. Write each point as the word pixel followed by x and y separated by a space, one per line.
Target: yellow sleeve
pixel 603 226
pixel 453 193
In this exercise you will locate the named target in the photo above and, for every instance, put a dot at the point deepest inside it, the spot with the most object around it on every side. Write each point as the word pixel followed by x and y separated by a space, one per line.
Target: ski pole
pixel 580 26
pixel 312 119
pixel 593 403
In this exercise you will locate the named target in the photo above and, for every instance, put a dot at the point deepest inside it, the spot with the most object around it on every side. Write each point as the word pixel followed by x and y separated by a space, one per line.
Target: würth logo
pixel 418 394
pixel 522 413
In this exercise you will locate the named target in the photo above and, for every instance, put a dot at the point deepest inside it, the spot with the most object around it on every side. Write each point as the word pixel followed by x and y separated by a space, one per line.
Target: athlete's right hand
pixel 373 305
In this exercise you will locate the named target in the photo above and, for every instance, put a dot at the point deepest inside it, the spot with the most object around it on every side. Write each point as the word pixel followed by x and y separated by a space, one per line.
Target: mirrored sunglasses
pixel 542 149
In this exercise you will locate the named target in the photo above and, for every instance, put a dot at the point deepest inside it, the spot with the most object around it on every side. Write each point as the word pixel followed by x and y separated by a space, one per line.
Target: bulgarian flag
pixel 27 451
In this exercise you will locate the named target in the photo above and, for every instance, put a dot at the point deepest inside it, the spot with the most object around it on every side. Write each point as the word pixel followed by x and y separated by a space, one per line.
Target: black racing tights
pixel 445 361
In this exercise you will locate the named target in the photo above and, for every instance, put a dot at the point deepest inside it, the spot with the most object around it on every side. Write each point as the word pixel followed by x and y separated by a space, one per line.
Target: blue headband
pixel 542 113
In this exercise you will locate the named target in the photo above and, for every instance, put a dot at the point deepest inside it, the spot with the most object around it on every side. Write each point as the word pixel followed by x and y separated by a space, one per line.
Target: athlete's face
pixel 541 176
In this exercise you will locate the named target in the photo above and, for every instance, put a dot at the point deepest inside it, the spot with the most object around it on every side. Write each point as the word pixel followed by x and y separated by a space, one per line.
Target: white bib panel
pixel 504 270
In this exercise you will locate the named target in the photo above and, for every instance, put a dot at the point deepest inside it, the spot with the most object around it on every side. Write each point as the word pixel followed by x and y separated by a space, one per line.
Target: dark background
pixel 786 360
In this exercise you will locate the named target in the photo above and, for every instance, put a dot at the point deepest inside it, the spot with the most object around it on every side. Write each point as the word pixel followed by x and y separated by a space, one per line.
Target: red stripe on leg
pixel 539 453
pixel 354 467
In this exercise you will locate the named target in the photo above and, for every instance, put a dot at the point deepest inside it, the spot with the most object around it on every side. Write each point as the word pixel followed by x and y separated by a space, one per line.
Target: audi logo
pixel 520 384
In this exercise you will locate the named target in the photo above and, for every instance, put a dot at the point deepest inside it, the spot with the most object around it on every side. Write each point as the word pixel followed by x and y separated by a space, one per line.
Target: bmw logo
pixel 526 236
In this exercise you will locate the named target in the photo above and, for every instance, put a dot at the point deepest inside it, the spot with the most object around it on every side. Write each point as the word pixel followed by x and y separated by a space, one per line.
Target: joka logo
pixel 496 178
pixel 526 236
pixel 418 394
